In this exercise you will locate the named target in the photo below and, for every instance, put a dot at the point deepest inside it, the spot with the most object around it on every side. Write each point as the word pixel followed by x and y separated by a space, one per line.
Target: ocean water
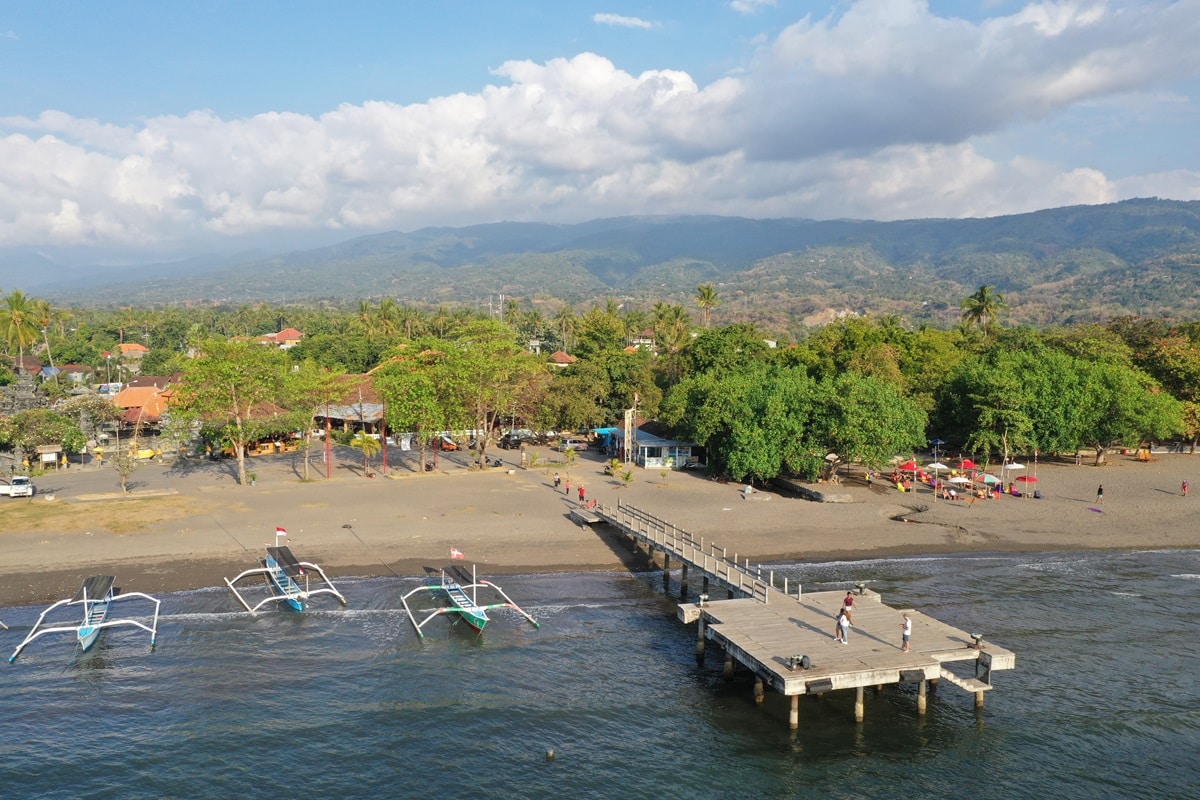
pixel 348 703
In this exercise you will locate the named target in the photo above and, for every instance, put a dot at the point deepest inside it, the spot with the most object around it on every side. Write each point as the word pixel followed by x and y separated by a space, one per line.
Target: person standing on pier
pixel 848 606
pixel 905 632
pixel 582 494
pixel 843 627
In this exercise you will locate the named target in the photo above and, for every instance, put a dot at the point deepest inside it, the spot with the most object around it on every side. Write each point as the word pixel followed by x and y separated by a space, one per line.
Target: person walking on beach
pixel 568 487
pixel 1100 494
pixel 905 633
pixel 581 494
pixel 557 481
pixel 1183 487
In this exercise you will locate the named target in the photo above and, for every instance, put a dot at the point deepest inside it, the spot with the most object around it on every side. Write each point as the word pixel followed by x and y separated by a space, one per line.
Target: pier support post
pixel 704 585
pixel 979 699
pixel 858 704
pixel 683 581
pixel 700 639
pixel 794 714
pixel 922 698
pixel 760 693
pixel 728 665
pixel 666 568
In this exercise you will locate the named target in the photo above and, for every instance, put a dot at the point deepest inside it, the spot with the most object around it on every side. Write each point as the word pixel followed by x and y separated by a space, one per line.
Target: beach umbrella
pixel 1027 479
pixel 960 479
pixel 1014 465
pixel 909 466
pixel 937 465
pixel 990 479
pixel 968 464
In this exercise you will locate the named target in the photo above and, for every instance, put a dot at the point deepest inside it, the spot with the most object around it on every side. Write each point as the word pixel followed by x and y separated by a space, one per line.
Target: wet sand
pixel 189 525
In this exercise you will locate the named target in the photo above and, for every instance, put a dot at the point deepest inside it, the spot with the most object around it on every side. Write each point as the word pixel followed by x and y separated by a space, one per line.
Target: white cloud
pixel 877 111
pixel 619 21
pixel 9 35
pixel 750 6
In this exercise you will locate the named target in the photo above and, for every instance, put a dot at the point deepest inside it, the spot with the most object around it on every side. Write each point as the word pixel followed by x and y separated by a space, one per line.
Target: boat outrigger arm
pixel 464 605
pixel 94 596
pixel 281 570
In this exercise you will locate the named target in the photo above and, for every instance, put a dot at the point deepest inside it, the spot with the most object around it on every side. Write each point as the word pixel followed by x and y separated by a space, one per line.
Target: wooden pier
pixel 786 637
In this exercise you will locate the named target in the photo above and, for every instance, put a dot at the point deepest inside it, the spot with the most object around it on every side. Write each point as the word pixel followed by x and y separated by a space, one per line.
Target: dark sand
pixel 189 525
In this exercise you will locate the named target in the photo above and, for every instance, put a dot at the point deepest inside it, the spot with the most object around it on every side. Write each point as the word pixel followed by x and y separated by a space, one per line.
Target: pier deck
pixel 765 638
pixel 774 631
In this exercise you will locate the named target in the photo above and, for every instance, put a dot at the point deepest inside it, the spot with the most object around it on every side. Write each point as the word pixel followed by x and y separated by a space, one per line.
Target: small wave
pixel 1187 576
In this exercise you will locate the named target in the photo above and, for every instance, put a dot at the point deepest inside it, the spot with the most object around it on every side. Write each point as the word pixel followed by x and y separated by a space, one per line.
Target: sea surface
pixel 349 703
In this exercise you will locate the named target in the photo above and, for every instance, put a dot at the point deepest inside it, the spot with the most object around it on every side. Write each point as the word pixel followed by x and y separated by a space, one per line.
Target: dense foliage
pixel 855 390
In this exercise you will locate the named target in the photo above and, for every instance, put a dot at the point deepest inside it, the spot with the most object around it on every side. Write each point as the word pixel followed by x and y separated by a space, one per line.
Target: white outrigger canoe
pixel 461 589
pixel 282 573
pixel 95 597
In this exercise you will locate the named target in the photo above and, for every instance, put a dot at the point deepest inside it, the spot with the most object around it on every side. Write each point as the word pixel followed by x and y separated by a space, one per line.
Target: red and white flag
pixel 280 532
pixel 455 553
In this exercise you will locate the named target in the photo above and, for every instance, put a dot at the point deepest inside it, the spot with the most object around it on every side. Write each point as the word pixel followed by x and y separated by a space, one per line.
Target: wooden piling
pixel 760 693
pixel 858 704
pixel 794 714
pixel 922 698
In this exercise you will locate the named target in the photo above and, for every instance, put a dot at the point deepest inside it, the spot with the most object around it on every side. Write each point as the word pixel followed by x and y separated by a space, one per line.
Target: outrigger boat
pixel 455 583
pixel 282 571
pixel 95 597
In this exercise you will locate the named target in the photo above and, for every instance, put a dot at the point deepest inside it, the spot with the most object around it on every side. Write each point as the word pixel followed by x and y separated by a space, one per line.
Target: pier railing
pixel 708 557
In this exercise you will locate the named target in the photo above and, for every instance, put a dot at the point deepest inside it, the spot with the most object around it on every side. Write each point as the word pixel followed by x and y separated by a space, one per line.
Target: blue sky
pixel 167 128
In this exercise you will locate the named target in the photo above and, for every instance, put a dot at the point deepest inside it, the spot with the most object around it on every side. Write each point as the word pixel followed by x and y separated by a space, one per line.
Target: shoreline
pixel 191 527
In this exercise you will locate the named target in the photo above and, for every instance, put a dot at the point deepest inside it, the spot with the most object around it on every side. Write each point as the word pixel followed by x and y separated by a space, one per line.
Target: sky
pixel 145 129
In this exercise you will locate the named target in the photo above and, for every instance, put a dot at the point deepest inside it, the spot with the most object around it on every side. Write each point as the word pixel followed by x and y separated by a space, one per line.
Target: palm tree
pixel 369 446
pixel 706 298
pixel 43 317
pixel 566 324
pixel 981 308
pixel 18 321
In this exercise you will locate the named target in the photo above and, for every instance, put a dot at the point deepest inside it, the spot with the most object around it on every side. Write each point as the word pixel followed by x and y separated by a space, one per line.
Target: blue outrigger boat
pixel 95 597
pixel 455 582
pixel 282 573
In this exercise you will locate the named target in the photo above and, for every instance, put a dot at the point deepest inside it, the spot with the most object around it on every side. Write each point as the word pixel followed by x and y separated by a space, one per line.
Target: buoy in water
pixel 550 754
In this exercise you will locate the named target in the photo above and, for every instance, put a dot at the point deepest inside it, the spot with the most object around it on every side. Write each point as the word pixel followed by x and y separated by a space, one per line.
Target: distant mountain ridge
pixel 1055 266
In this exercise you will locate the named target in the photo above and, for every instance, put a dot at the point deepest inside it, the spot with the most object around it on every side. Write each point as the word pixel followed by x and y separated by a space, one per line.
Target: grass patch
pixel 114 516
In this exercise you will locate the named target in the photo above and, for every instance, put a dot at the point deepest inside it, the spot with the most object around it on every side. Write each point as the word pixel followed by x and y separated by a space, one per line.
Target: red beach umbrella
pixel 968 464
pixel 1026 479
pixel 909 466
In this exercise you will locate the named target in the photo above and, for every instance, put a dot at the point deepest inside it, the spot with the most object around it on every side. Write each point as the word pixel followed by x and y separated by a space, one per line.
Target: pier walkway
pixel 785 637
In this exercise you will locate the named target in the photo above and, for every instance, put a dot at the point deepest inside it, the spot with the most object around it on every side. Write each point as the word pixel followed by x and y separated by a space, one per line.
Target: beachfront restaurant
pixel 655 452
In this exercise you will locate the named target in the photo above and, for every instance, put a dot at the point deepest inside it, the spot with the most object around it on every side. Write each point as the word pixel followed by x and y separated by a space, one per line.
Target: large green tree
pixel 234 386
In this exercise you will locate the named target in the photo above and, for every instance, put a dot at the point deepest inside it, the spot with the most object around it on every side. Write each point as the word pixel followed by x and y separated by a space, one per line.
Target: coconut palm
pixel 369 446
pixel 982 308
pixel 18 322
pixel 43 317
pixel 706 298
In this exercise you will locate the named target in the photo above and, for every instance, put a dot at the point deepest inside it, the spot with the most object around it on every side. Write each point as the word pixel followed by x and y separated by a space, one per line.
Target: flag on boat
pixel 455 553
pixel 280 532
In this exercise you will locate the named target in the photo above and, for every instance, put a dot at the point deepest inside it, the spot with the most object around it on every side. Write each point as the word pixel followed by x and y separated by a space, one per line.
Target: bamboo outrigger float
pixel 455 583
pixel 282 571
pixel 95 597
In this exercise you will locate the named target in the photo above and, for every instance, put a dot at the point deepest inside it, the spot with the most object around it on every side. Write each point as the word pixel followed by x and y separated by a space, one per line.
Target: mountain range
pixel 1057 266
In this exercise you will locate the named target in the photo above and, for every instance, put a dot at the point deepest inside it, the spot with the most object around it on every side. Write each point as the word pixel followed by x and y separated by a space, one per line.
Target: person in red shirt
pixel 581 494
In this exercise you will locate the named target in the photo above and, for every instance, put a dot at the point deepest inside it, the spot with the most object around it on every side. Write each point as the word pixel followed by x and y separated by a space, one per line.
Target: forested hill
pixel 1056 266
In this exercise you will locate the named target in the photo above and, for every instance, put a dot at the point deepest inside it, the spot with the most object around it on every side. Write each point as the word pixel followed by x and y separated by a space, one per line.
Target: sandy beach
pixel 188 525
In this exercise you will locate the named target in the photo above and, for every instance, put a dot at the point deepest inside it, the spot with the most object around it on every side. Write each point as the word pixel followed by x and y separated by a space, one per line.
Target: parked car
pixel 512 441
pixel 19 486
pixel 571 443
